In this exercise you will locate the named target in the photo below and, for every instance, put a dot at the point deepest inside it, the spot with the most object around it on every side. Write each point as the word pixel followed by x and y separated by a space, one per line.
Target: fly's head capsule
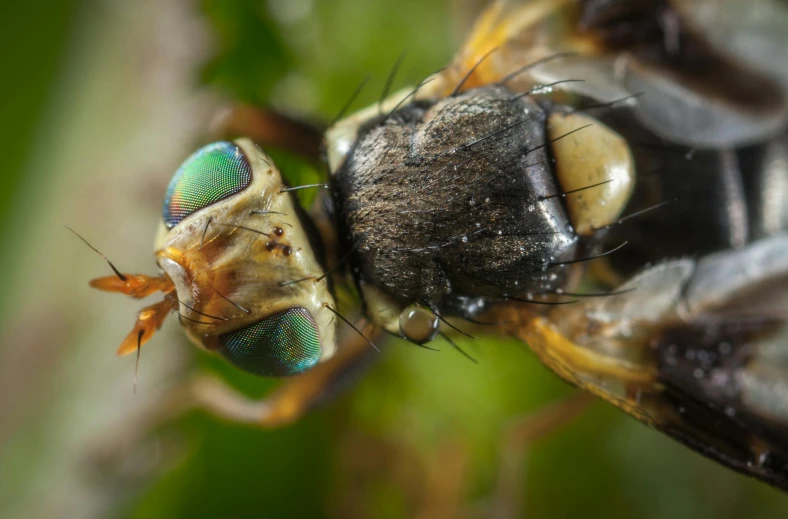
pixel 239 267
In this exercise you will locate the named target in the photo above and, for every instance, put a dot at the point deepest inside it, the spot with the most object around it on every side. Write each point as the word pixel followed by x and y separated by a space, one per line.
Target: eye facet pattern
pixel 283 344
pixel 213 173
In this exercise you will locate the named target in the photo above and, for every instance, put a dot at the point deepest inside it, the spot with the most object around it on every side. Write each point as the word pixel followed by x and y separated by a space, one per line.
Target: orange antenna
pixel 150 318
pixel 117 272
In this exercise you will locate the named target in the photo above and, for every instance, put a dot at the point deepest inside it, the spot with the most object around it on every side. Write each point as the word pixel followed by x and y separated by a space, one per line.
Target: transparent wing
pixel 697 349
pixel 751 33
pixel 709 74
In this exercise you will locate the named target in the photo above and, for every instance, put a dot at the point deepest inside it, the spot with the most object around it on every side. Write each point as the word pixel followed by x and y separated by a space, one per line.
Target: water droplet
pixel 465 239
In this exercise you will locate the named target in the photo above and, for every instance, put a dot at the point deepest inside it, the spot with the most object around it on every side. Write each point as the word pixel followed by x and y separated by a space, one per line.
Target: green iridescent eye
pixel 213 173
pixel 283 344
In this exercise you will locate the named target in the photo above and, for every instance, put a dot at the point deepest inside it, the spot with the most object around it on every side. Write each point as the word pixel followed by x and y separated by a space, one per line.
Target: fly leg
pixel 294 398
pixel 622 381
pixel 519 436
pixel 290 401
pixel 269 128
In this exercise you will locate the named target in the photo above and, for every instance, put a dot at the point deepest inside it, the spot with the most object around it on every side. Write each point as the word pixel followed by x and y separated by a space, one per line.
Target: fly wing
pixel 697 349
pixel 706 77
pixel 724 364
pixel 752 33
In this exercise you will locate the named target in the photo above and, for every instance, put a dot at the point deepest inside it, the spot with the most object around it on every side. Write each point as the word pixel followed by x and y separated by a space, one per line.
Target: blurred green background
pixel 101 100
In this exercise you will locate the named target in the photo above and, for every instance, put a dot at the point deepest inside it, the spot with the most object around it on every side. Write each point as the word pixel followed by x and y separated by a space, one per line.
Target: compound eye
pixel 213 173
pixel 418 324
pixel 283 344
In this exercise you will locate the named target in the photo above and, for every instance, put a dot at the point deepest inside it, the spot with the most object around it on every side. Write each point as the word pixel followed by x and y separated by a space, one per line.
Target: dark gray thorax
pixel 447 200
